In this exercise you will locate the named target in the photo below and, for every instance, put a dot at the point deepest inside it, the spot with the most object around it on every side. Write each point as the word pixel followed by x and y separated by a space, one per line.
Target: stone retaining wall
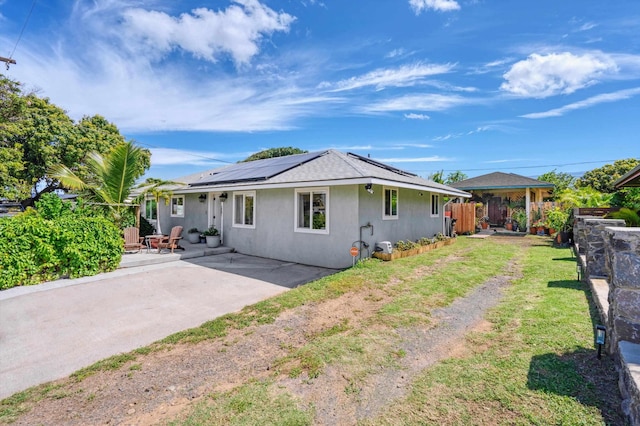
pixel 611 256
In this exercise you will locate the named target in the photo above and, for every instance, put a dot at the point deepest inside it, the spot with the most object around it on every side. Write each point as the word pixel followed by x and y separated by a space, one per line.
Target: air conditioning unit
pixel 384 247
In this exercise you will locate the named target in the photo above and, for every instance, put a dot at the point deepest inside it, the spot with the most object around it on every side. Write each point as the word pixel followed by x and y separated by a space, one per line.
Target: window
pixel 435 205
pixel 177 206
pixel 312 206
pixel 244 212
pixel 390 208
pixel 150 210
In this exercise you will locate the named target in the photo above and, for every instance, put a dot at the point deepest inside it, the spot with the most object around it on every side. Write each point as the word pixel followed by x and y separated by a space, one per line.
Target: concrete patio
pixel 152 257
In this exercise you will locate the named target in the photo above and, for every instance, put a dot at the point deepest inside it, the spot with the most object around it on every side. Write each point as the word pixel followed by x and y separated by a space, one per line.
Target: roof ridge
pixel 350 162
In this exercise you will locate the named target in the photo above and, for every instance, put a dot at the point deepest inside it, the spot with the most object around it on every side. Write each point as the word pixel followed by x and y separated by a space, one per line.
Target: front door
pixel 496 216
pixel 214 210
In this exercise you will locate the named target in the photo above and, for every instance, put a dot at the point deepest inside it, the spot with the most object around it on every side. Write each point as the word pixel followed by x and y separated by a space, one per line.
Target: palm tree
pixel 157 188
pixel 110 179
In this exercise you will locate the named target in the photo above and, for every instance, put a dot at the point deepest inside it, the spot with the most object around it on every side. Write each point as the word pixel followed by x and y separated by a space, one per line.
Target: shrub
pixel 34 249
pixel 630 217
pixel 146 228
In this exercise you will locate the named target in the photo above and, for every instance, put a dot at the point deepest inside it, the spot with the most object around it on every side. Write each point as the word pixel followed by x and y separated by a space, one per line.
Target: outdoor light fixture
pixel 223 196
pixel 601 337
pixel 202 198
pixel 369 188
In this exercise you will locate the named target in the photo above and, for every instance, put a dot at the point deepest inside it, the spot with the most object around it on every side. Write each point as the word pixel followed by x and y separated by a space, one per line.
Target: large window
pixel 177 206
pixel 150 210
pixel 390 208
pixel 435 205
pixel 244 211
pixel 312 207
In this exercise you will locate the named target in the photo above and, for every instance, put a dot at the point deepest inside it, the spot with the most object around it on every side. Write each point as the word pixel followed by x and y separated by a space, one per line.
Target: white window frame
pixel 148 203
pixel 384 203
pixel 175 198
pixel 311 191
pixel 436 204
pixel 244 195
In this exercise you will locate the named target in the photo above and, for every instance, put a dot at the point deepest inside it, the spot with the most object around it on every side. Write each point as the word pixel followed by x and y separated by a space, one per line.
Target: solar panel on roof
pixel 258 170
pixel 382 165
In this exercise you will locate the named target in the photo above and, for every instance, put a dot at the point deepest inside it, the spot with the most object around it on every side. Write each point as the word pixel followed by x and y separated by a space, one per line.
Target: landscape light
pixel 601 337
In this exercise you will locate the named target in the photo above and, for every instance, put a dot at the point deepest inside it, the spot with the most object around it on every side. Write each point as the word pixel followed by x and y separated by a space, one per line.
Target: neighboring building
pixel 629 179
pixel 308 208
pixel 502 192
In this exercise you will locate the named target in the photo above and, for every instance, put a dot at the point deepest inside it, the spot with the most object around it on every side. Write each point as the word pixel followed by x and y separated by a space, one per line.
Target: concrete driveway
pixel 51 330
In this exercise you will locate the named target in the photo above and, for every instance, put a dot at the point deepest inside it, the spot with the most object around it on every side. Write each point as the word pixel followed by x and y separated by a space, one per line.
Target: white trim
pixel 311 191
pixel 437 205
pixel 244 194
pixel 338 182
pixel 171 206
pixel 384 204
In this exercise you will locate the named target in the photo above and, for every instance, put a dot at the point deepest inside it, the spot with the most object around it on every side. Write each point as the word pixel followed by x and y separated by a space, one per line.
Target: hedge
pixel 34 249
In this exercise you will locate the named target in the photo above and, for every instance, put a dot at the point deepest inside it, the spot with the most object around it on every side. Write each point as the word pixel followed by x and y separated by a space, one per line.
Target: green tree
pixel 109 178
pixel 274 152
pixel 561 180
pixel 603 178
pixel 437 177
pixel 158 189
pixel 454 177
pixel 584 197
pixel 36 134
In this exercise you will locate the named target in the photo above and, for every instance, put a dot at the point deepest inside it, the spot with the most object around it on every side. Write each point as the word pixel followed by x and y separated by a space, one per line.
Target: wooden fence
pixel 465 215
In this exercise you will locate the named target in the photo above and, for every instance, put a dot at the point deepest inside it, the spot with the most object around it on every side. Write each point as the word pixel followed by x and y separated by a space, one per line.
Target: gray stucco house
pixel 308 208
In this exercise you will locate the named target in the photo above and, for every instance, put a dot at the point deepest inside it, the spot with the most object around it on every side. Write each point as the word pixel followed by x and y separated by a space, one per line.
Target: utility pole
pixel 7 61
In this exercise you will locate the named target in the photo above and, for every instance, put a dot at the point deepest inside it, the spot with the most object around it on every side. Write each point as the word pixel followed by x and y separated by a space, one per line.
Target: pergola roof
pixel 631 178
pixel 500 180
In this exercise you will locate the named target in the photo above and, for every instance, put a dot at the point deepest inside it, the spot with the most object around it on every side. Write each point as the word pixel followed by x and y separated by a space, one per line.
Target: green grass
pixel 529 369
pixel 526 370
pixel 256 403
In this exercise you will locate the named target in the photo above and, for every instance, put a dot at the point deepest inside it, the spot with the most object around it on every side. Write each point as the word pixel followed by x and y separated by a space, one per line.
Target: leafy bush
pixel 35 248
pixel 146 228
pixel 630 217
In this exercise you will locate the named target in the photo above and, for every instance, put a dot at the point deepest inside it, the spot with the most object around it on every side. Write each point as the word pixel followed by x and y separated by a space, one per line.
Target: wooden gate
pixel 465 215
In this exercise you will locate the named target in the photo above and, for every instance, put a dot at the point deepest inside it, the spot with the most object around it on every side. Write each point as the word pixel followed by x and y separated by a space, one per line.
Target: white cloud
pixel 427 102
pixel 204 33
pixel 587 26
pixel 406 75
pixel 440 5
pixel 413 116
pixel 394 53
pixel 587 103
pixel 541 76
pixel 490 66
pixel 170 156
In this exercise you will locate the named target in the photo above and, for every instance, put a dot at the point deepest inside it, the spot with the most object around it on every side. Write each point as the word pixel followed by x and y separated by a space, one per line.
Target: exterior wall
pixel 414 216
pixel 594 231
pixel 274 236
pixel 196 215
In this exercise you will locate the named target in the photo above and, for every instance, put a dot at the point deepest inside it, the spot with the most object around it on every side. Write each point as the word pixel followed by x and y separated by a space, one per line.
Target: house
pixel 308 208
pixel 629 179
pixel 503 192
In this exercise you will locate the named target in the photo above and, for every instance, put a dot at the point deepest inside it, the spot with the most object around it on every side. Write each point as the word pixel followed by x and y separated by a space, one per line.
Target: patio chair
pixel 132 239
pixel 171 242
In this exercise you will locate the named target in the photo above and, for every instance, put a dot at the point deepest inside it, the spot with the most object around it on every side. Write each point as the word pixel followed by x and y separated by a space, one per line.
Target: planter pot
pixel 213 240
pixel 533 230
pixel 508 226
pixel 484 225
pixel 193 238
pixel 540 231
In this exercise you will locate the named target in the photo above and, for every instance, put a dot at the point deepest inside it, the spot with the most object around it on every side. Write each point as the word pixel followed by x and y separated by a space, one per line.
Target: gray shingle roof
pixel 330 165
pixel 500 180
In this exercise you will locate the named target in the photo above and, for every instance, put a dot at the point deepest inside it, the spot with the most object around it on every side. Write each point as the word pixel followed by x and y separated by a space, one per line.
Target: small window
pixel 244 211
pixel 390 208
pixel 150 210
pixel 177 206
pixel 435 205
pixel 312 206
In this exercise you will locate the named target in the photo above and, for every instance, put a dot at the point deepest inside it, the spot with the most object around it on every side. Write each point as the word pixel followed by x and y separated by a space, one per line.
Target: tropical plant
pixel 520 216
pixel 560 180
pixel 557 219
pixel 109 180
pixel 193 231
pixel 630 217
pixel 212 231
pixel 158 189
pixel 584 197
pixel 603 178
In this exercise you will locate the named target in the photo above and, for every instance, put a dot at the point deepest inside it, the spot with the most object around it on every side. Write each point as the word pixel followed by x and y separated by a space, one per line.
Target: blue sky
pixel 425 85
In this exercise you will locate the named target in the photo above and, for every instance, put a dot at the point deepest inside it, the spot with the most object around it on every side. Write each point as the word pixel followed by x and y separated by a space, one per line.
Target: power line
pixel 524 167
pixel 33 4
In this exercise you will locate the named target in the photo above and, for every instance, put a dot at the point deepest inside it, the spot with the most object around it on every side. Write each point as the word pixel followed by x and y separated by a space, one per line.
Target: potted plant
pixel 212 236
pixel 557 220
pixel 193 236
pixel 539 227
pixel 519 216
pixel 508 224
pixel 483 222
